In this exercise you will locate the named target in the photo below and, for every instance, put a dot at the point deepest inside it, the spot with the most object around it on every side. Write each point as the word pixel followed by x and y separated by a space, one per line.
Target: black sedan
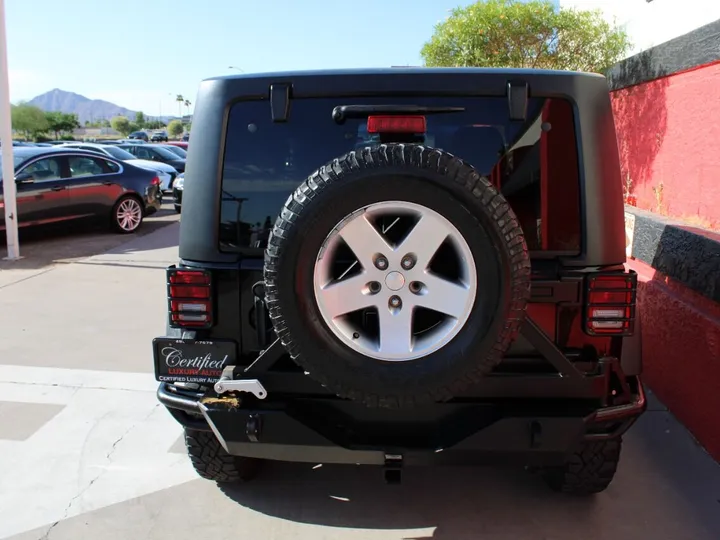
pixel 59 184
pixel 155 152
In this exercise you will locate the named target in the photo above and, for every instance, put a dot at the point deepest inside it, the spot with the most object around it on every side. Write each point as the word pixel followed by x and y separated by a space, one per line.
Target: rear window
pixel 534 163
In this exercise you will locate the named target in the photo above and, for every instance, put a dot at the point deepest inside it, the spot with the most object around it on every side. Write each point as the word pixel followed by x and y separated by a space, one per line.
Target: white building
pixel 651 22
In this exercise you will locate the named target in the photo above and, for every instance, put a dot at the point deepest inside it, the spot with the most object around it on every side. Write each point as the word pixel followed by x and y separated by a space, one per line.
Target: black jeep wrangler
pixel 400 267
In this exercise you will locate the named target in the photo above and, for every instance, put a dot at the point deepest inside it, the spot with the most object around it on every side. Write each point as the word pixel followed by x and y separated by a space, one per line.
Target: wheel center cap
pixel 394 281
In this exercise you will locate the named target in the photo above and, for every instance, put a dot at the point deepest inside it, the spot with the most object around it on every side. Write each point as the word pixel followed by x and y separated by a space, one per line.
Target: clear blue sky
pixel 134 53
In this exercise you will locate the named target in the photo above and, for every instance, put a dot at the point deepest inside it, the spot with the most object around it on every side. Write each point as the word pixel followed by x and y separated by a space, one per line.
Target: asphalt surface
pixel 86 451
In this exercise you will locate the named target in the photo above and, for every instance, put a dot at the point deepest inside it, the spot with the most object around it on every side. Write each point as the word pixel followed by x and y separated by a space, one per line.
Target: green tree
pixel 155 124
pixel 532 34
pixel 187 104
pixel 140 119
pixel 181 100
pixel 28 120
pixel 121 125
pixel 59 122
pixel 175 128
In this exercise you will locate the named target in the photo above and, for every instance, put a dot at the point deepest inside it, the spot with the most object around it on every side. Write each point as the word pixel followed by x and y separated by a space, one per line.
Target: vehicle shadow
pixel 453 503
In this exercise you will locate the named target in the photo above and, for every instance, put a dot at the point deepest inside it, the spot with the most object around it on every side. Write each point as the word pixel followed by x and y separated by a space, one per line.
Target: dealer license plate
pixel 187 360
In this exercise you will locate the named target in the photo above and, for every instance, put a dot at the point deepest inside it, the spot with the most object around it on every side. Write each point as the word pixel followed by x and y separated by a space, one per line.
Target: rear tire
pixel 212 462
pixel 589 470
pixel 127 214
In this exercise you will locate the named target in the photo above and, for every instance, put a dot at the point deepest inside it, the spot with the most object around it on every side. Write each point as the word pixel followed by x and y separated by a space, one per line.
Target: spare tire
pixel 396 275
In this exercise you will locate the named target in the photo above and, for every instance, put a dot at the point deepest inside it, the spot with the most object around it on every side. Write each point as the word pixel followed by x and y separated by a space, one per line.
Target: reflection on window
pixel 44 170
pixel 533 163
pixel 84 166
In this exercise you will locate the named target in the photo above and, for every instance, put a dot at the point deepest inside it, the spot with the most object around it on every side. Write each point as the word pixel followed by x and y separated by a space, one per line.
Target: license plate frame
pixel 190 360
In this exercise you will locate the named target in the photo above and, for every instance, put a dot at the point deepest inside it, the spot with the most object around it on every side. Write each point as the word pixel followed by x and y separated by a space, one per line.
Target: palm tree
pixel 180 99
pixel 187 106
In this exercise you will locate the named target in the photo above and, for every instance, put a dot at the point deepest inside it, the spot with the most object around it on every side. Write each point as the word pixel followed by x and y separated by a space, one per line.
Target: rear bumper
pixel 321 430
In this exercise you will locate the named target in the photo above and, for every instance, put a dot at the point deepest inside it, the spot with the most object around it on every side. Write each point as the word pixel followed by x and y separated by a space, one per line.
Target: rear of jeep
pixel 403 267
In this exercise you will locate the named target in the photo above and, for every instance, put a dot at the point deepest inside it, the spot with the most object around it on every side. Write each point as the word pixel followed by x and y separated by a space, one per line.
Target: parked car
pixel 177 192
pixel 155 152
pixel 445 286
pixel 180 152
pixel 166 173
pixel 159 136
pixel 60 184
pixel 139 135
pixel 186 137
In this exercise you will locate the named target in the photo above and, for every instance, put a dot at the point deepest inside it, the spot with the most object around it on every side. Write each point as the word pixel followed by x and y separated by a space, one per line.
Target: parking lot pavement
pixel 43 247
pixel 86 451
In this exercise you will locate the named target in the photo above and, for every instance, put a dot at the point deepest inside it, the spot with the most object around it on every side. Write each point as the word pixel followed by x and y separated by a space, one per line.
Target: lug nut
pixel 415 287
pixel 395 301
pixel 381 263
pixel 408 261
pixel 374 287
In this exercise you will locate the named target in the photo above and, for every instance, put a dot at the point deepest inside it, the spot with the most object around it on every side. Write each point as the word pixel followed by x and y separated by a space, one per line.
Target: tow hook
pixel 393 468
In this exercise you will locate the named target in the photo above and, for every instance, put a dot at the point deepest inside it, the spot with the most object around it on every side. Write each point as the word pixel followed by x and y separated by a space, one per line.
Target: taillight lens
pixel 610 304
pixel 155 181
pixel 189 298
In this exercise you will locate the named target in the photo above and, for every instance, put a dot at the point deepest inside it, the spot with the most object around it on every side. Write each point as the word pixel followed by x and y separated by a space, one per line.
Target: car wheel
pixel 212 462
pixel 127 215
pixel 178 208
pixel 589 470
pixel 397 275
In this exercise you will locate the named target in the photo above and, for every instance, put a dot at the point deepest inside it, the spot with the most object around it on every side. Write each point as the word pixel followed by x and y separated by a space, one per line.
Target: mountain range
pixel 85 108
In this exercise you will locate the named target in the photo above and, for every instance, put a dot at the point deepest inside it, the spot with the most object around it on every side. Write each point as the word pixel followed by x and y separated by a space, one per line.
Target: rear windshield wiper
pixel 342 112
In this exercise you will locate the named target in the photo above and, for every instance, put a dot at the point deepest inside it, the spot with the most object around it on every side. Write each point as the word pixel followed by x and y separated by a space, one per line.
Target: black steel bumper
pixel 322 430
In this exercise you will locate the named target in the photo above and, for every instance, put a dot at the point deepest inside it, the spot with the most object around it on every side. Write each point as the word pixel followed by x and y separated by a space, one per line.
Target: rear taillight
pixel 610 300
pixel 189 298
pixel 155 181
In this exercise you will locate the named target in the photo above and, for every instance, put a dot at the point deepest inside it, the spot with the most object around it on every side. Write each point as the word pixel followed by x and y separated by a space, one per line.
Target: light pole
pixel 234 67
pixel 8 169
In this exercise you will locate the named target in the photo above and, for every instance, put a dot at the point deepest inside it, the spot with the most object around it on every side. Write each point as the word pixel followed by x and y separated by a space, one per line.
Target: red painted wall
pixel 669 138
pixel 681 352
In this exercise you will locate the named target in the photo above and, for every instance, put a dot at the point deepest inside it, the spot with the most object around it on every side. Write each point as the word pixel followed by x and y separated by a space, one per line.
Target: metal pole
pixel 8 169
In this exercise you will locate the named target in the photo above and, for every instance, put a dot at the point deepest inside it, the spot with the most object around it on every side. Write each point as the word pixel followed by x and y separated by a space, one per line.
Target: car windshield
pixel 165 153
pixel 177 151
pixel 118 153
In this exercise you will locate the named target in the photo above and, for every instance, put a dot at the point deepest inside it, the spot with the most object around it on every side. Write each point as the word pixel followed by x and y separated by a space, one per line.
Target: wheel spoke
pixel 345 296
pixel 443 296
pixel 425 239
pixel 364 240
pixel 396 337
